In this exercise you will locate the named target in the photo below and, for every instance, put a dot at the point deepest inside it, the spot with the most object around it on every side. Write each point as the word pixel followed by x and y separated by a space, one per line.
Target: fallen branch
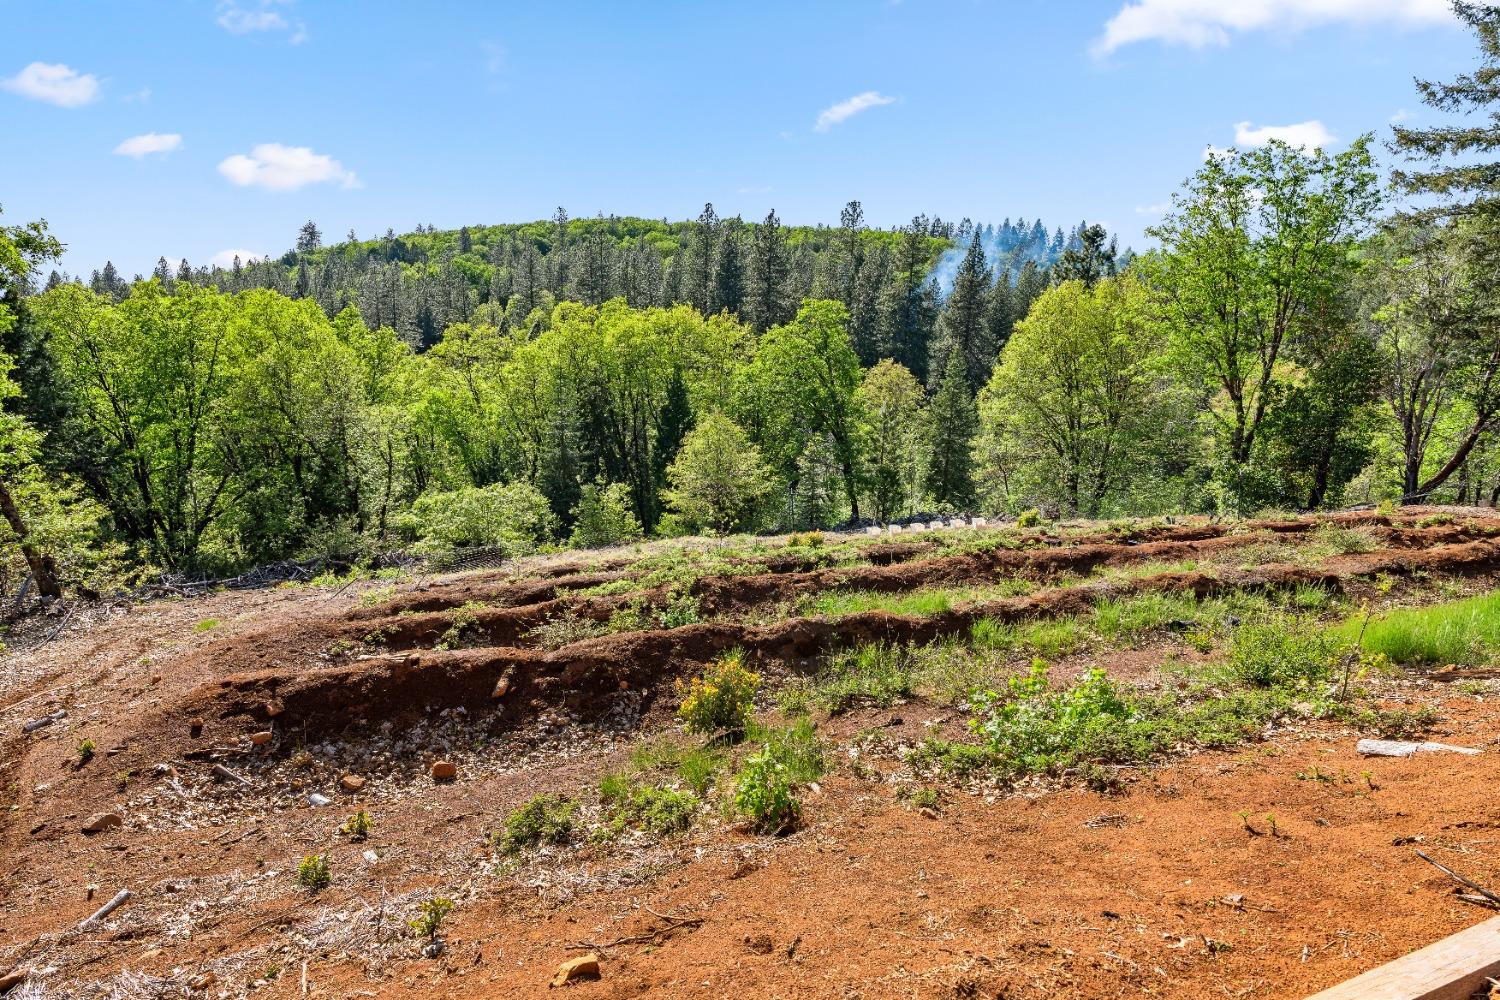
pixel 120 899
pixel 673 923
pixel 1455 876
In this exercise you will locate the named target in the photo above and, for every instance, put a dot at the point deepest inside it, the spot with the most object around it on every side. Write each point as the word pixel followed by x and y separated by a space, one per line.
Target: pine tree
pixel 308 237
pixel 1001 316
pixel 962 327
pixel 852 256
pixel 772 301
pixel 729 271
pixel 465 241
pixel 909 303
pixel 1466 187
pixel 700 261
pixel 1089 260
pixel 952 424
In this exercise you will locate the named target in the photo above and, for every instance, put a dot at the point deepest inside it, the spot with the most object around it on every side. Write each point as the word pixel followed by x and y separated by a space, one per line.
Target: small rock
pixel 371 857
pixel 274 707
pixel 100 822
pixel 575 969
pixel 164 771
pixel 501 687
pixel 12 979
pixel 203 982
pixel 434 948
pixel 624 685
pixel 351 782
pixel 443 770
pixel 318 799
pixel 260 739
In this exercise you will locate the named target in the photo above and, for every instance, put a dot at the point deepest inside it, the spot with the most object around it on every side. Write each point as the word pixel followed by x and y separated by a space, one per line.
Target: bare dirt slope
pixel 1173 885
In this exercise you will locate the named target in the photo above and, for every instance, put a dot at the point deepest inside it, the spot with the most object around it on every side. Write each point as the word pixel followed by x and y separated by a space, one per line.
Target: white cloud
pixel 1309 134
pixel 1160 208
pixel 1401 115
pixel 225 258
pixel 1200 23
pixel 284 168
pixel 55 84
pixel 251 16
pixel 140 146
pixel 844 110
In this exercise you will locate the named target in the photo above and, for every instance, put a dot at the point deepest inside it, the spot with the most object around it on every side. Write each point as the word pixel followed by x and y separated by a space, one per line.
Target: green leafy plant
pixel 544 819
pixel 719 701
pixel 1029 518
pixel 86 750
pixel 768 782
pixel 313 872
pixel 358 826
pixel 430 916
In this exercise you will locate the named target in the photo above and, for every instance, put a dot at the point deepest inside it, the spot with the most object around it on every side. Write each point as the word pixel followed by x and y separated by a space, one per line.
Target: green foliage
pixel 659 811
pixel 767 786
pixel 719 701
pixel 604 516
pixel 719 481
pixel 544 819
pixel 358 826
pixel 86 750
pixel 430 916
pixel 1464 632
pixel 878 674
pixel 1029 518
pixel 313 873
pixel 513 517
pixel 1282 653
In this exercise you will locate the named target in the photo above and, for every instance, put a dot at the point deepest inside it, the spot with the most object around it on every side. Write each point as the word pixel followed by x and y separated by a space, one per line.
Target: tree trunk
pixel 43 567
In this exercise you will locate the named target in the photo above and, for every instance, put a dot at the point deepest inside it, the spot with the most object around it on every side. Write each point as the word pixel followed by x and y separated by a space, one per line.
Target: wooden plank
pixel 1454 968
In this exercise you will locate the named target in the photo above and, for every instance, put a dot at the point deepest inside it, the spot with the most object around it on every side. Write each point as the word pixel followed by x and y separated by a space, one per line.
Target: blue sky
pixel 386 114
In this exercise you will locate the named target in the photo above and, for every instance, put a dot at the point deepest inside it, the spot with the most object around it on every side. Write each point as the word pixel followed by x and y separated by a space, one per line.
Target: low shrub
pixel 719 701
pixel 545 819
pixel 877 674
pixel 656 810
pixel 768 783
pixel 313 872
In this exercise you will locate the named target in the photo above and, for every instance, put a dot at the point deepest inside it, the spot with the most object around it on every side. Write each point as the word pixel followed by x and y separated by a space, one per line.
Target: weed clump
pixel 545 819
pixel 430 916
pixel 766 791
pixel 661 812
pixel 718 702
pixel 313 872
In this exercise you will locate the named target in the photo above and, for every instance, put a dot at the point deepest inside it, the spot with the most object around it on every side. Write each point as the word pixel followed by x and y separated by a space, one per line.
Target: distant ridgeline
pixel 422 282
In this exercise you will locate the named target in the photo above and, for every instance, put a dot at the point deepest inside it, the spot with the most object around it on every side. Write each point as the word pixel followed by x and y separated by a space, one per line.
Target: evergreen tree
pixel 700 263
pixel 772 301
pixel 1465 187
pixel 1001 317
pixel 729 271
pixel 308 237
pixel 1091 259
pixel 909 303
pixel 465 241
pixel 952 423
pixel 963 326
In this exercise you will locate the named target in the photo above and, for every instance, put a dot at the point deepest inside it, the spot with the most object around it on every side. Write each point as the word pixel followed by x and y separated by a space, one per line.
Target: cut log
pixel 114 904
pixel 1401 748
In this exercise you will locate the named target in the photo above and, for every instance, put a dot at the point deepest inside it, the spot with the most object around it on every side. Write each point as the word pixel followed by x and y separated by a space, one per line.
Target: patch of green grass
pixel 1462 632
pixel 926 601
pixel 877 674
pixel 651 808
pixel 545 819
pixel 1043 637
pixel 205 625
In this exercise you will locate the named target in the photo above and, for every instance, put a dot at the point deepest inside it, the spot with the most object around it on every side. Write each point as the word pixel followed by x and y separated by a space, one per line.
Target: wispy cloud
pixel 1200 23
pixel 54 83
pixel 494 57
pixel 1401 115
pixel 275 167
pixel 225 258
pixel 1310 134
pixel 249 17
pixel 1160 208
pixel 844 110
pixel 140 146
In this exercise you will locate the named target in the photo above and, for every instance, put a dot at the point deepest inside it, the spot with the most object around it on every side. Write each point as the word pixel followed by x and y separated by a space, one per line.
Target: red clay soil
pixel 1161 891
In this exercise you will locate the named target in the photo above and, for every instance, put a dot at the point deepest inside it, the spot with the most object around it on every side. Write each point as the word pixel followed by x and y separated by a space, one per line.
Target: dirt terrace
pixel 1160 891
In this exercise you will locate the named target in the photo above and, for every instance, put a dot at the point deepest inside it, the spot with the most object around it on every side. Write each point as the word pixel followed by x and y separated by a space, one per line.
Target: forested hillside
pixel 1292 342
